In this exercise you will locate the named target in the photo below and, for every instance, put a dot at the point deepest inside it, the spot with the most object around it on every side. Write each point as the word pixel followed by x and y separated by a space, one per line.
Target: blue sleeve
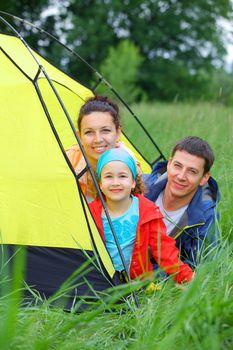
pixel 196 243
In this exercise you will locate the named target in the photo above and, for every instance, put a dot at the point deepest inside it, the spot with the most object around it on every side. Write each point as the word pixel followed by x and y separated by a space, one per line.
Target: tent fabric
pixel 41 206
pixel 39 198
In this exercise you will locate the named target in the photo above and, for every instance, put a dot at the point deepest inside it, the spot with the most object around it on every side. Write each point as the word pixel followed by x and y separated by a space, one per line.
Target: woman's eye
pixel 88 132
pixel 106 130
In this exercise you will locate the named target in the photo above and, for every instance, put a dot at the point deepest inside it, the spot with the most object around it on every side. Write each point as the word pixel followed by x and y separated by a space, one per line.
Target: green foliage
pixel 91 36
pixel 180 41
pixel 11 291
pixel 124 58
pixel 29 8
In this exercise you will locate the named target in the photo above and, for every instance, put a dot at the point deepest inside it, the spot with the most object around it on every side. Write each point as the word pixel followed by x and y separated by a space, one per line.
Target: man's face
pixel 185 173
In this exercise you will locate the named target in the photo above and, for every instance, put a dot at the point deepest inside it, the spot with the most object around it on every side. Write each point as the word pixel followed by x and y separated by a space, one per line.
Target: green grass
pixel 198 316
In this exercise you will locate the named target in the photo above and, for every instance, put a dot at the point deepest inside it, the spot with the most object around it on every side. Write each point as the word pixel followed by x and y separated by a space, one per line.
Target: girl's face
pixel 98 133
pixel 116 181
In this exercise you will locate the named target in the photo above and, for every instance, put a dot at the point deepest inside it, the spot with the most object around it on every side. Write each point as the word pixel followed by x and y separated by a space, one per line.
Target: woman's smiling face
pixel 98 133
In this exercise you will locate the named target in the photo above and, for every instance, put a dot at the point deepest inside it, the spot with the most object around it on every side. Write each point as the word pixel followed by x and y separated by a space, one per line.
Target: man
pixel 187 197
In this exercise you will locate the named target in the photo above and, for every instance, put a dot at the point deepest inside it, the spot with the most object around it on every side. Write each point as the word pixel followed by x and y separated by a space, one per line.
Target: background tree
pixel 29 9
pixel 50 15
pixel 181 42
pixel 127 59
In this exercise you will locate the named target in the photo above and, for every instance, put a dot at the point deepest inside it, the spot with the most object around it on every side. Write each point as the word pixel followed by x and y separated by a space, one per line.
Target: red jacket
pixel 151 233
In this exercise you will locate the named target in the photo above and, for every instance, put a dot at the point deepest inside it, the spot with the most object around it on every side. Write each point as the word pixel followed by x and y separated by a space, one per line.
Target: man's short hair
pixel 197 147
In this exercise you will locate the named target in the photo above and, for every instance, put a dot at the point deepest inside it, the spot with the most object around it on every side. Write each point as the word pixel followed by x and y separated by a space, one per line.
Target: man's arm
pixel 195 243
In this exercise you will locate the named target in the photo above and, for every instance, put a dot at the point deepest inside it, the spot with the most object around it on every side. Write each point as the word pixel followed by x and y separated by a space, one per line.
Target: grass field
pixel 198 316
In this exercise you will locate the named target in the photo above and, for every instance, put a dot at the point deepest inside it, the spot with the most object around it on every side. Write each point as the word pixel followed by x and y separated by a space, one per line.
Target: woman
pixel 99 129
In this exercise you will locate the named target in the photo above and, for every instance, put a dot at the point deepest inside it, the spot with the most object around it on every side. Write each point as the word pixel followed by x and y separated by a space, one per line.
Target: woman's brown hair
pixel 100 103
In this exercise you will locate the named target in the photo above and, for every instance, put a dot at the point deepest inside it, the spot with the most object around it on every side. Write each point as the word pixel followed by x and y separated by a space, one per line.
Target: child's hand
pixel 184 286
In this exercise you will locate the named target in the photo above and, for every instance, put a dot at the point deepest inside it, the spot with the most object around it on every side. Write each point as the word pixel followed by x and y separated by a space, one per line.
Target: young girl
pixel 136 220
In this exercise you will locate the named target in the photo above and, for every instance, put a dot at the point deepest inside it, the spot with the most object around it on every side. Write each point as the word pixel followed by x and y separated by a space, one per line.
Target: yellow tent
pixel 41 205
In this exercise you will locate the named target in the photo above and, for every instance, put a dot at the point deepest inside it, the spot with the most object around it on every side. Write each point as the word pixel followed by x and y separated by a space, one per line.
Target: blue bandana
pixel 118 154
